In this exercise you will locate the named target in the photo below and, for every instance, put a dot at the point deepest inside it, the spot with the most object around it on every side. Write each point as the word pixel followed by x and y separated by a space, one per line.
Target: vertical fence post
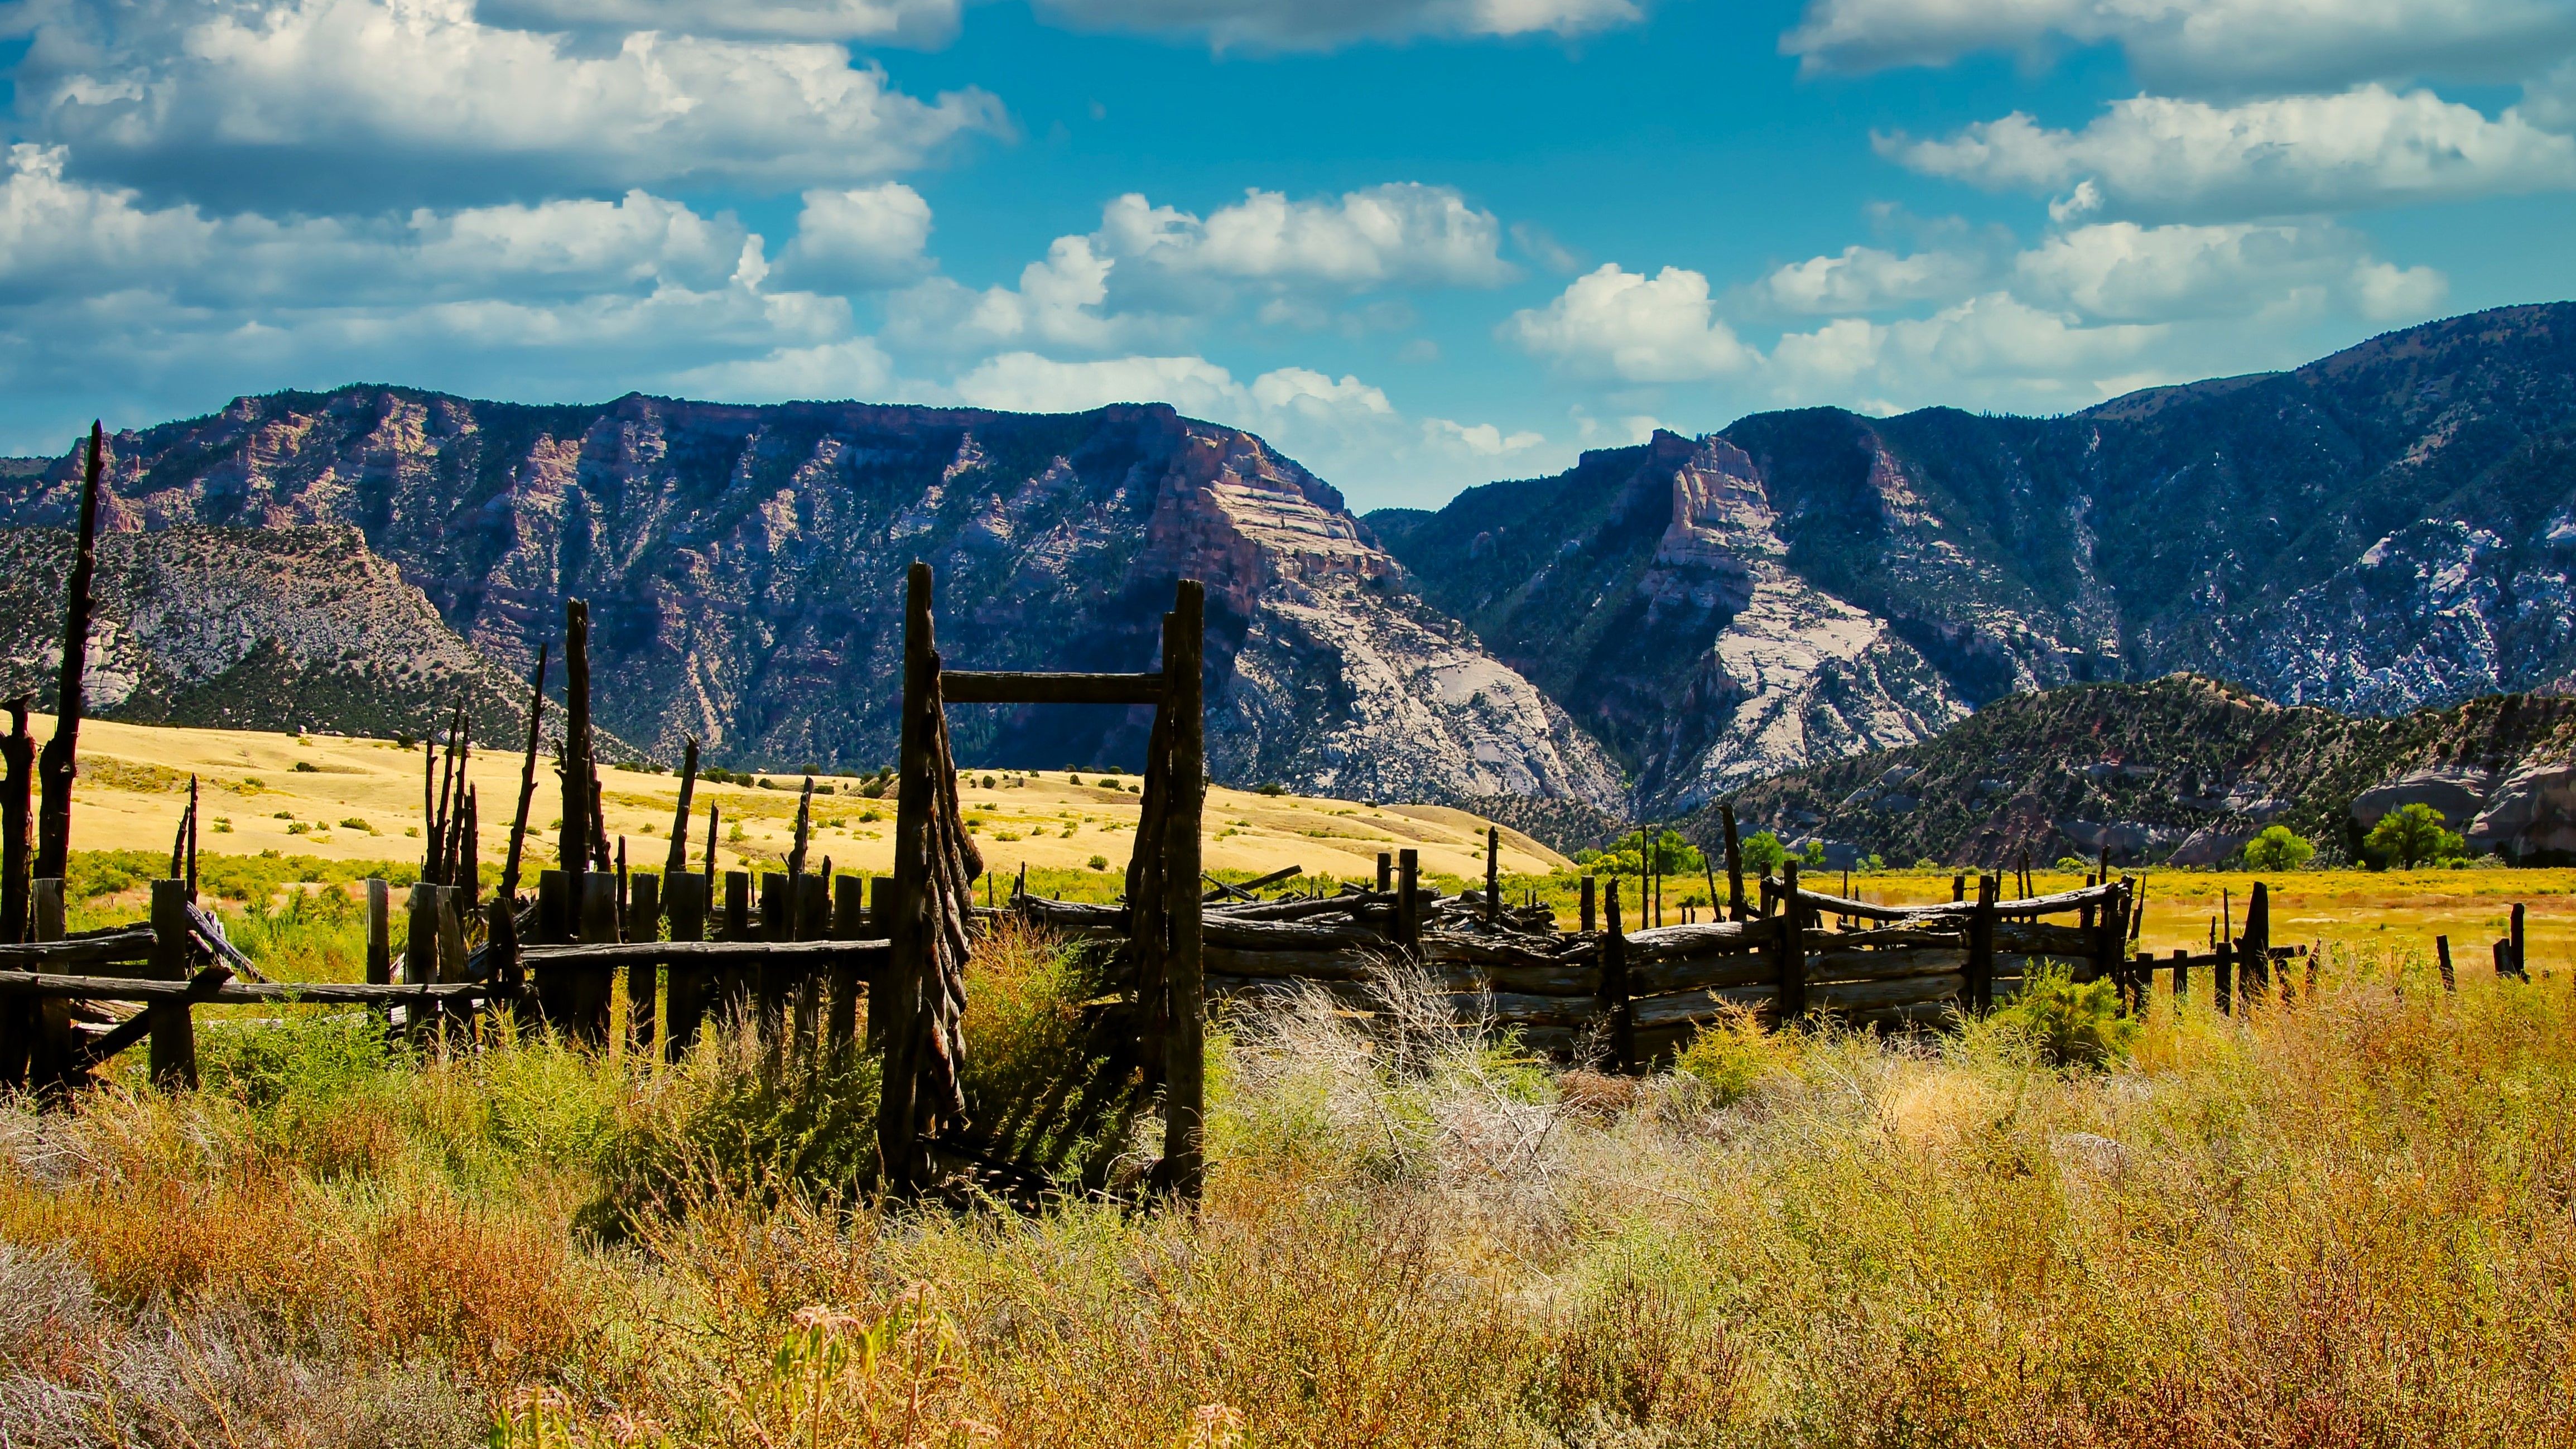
pixel 420 938
pixel 1385 872
pixel 174 1032
pixel 643 923
pixel 849 923
pixel 2442 953
pixel 1586 907
pixel 2181 973
pixel 1735 910
pixel 50 1059
pixel 1792 947
pixel 733 983
pixel 1184 1073
pixel 1614 981
pixel 1408 901
pixel 1981 946
pixel 2521 963
pixel 2222 978
pixel 2254 946
pixel 686 1005
pixel 590 983
pixel 380 940
pixel 1493 874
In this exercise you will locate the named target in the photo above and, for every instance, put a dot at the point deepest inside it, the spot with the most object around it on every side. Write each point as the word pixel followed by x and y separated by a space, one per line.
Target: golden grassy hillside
pixel 360 799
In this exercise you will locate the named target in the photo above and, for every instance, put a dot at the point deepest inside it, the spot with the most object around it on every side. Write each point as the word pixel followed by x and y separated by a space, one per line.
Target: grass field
pixel 2343 1223
pixel 342 799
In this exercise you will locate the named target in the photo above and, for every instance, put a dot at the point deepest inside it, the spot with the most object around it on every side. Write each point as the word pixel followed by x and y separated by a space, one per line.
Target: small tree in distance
pixel 2278 848
pixel 2410 836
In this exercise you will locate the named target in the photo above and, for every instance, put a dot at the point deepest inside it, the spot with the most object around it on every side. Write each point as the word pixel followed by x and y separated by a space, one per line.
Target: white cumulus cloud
pixel 1867 279
pixel 1325 24
pixel 897 22
pixel 2158 156
pixel 1662 328
pixel 1403 232
pixel 2120 270
pixel 2203 45
pixel 872 236
pixel 333 103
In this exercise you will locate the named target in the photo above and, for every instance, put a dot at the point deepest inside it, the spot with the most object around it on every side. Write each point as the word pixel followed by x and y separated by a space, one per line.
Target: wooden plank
pixel 983 686
pixel 173 1027
pixel 52 1059
pixel 129 945
pixel 1699 973
pixel 2442 950
pixel 1735 906
pixel 1185 1059
pixel 1709 939
pixel 804 955
pixel 1886 965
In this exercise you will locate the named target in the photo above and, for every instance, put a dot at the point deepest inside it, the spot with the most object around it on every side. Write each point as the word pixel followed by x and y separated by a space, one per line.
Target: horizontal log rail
pixel 119 988
pixel 983 686
pixel 2024 909
pixel 702 953
pixel 121 946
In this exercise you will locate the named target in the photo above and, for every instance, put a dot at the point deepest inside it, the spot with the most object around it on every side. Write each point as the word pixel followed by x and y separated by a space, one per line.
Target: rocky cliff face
pixel 744 569
pixel 2386 529
pixel 273 630
pixel 2183 769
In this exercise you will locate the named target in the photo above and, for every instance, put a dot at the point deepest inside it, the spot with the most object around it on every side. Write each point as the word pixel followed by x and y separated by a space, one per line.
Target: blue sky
pixel 1416 243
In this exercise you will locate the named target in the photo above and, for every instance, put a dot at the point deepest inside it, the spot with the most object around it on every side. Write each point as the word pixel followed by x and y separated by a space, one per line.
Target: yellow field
pixel 2391 908
pixel 360 799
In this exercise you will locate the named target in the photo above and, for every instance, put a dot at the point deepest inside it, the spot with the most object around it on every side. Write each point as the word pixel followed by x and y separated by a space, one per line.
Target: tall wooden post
pixel 685 1002
pixel 643 923
pixel 1408 901
pixel 2222 977
pixel 849 923
pixel 51 1061
pixel 1184 1062
pixel 1614 983
pixel 572 846
pixel 1493 874
pixel 590 983
pixel 174 1033
pixel 1385 872
pixel 1735 909
pixel 1584 906
pixel 54 770
pixel 420 944
pixel 17 798
pixel 2442 954
pixel 1981 946
pixel 2254 947
pixel 909 954
pixel 2521 962
pixel 1792 946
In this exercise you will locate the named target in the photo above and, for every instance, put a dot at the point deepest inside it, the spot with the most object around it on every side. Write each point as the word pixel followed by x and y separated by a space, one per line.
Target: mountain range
pixel 2384 530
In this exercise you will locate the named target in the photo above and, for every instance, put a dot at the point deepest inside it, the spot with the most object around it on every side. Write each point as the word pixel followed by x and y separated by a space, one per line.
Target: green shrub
pixel 2278 848
pixel 2410 836
pixel 1731 1055
pixel 2071 1025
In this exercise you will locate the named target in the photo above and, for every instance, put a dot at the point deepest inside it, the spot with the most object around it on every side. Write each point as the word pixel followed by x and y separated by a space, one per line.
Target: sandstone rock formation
pixel 744 565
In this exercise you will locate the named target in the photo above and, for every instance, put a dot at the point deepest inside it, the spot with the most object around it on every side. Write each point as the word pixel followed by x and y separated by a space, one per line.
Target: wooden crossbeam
pixel 118 988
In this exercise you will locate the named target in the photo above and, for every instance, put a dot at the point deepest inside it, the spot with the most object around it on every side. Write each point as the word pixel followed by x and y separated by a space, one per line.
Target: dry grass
pixel 2344 1222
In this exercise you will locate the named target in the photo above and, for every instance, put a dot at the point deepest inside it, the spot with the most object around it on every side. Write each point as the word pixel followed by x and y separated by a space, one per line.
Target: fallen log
pixel 120 946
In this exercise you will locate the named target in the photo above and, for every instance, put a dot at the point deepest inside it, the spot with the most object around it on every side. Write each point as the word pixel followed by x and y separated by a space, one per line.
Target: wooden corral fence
pixel 796 952
pixel 1631 996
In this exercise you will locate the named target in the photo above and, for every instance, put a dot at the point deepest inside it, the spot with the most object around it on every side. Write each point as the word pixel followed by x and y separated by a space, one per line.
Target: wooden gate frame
pixel 1163 906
